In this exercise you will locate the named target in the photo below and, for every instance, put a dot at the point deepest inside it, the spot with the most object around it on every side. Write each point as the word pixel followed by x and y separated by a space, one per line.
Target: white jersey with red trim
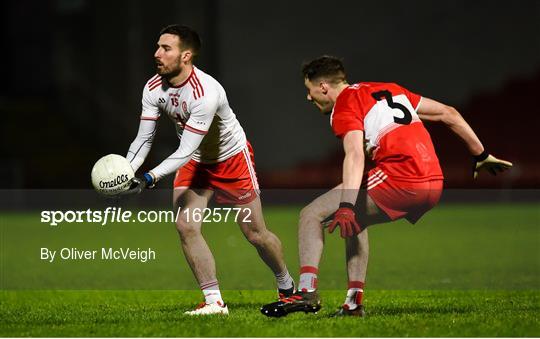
pixel 198 105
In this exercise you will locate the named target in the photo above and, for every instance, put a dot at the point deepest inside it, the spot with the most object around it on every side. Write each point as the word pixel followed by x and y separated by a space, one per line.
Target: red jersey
pixel 398 141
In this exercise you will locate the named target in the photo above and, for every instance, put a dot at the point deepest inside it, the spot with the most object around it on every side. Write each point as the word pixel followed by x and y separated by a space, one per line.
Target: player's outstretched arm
pixel 188 145
pixel 200 120
pixel 140 147
pixel 137 153
pixel 431 110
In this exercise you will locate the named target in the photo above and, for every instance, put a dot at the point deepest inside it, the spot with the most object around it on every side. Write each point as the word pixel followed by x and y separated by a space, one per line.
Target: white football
pixel 112 174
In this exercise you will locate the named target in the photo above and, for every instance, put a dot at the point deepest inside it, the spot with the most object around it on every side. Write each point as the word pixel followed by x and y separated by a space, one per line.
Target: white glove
pixel 488 162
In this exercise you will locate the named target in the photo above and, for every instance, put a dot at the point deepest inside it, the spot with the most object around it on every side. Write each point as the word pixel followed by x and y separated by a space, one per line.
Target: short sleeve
pixel 203 111
pixel 413 98
pixel 346 115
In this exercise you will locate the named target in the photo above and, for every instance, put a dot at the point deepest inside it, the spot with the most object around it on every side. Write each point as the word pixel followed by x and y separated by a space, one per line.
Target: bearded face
pixel 168 56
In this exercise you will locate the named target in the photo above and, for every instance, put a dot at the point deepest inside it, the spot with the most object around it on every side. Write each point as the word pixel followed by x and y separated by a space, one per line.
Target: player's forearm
pixel 169 165
pixel 353 168
pixel 353 165
pixel 461 128
pixel 140 147
pixel 188 145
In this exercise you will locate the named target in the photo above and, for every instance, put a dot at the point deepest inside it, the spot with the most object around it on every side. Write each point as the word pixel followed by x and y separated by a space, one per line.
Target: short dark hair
pixel 328 67
pixel 189 39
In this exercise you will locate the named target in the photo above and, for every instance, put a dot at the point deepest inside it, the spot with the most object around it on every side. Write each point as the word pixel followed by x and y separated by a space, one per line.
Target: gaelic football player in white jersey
pixel 213 160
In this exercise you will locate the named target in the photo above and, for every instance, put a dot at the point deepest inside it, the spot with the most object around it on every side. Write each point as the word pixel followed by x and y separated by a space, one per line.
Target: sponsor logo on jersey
pixel 423 151
pixel 244 196
pixel 184 107
pixel 122 178
pixel 161 100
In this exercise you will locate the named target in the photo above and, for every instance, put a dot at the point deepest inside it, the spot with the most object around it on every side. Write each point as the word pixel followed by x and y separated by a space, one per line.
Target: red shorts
pixel 233 181
pixel 402 199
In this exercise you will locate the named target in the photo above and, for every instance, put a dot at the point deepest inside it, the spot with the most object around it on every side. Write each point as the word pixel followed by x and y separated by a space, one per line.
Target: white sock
pixel 308 278
pixel 354 297
pixel 211 292
pixel 284 280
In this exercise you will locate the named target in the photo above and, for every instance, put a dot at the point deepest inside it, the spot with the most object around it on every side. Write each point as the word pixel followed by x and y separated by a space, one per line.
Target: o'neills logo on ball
pixel 115 182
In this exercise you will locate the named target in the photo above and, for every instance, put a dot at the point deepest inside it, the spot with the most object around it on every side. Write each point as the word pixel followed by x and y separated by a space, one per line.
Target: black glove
pixel 139 184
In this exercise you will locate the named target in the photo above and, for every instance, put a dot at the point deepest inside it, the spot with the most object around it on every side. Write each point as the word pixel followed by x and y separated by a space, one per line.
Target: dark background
pixel 73 73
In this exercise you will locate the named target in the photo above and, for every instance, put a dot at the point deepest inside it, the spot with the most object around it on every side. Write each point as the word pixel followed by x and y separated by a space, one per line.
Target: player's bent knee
pixel 187 230
pixel 187 233
pixel 310 213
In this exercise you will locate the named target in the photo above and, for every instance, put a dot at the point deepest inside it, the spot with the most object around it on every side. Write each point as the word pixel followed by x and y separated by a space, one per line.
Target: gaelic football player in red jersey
pixel 213 159
pixel 383 121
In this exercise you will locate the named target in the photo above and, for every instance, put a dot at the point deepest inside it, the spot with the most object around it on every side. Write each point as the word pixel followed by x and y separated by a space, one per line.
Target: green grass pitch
pixel 463 270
